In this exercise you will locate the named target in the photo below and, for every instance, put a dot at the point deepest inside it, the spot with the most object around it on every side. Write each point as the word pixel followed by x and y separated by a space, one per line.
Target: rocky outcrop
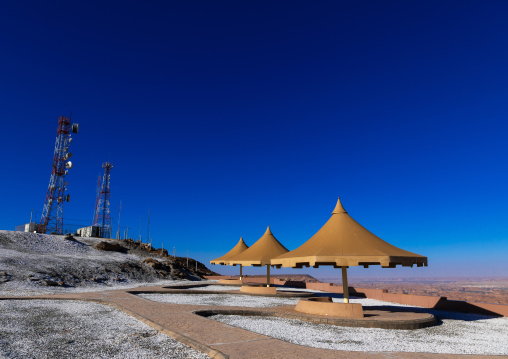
pixel 4 277
pixel 155 264
pixel 176 267
pixel 110 246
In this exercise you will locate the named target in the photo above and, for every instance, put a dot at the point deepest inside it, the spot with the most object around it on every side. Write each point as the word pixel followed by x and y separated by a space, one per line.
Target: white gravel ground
pixel 458 334
pixel 75 329
pixel 220 300
pixel 239 300
pixel 216 287
pixel 26 289
pixel 228 287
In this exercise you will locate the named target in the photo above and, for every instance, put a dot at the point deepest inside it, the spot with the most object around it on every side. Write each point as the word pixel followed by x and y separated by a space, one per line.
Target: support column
pixel 241 272
pixel 267 275
pixel 345 287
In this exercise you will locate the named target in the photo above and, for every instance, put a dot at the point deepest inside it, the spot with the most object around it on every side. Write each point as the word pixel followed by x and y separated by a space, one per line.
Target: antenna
pixel 140 220
pixel 97 197
pixel 118 231
pixel 52 212
pixel 148 228
pixel 103 214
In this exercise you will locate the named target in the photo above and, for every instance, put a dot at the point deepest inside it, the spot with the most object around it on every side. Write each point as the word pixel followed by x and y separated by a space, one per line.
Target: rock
pixel 49 283
pixel 3 274
pixel 152 263
pixel 61 283
pixel 69 237
pixel 109 246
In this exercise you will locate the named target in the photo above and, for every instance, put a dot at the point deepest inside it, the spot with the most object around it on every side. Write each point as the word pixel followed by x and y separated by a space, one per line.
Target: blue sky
pixel 224 117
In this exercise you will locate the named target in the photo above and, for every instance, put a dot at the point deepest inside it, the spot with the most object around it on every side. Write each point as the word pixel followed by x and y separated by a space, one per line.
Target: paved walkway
pixel 217 339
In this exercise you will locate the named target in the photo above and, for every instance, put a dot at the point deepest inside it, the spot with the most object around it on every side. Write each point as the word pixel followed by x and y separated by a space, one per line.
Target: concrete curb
pixel 408 324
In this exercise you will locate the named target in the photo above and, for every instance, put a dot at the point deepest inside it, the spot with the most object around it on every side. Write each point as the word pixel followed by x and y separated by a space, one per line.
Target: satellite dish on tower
pixel 75 127
pixel 68 165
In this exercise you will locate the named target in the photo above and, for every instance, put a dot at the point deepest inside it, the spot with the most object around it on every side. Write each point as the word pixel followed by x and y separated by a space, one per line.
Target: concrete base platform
pixel 231 281
pixel 373 318
pixel 325 306
pixel 258 289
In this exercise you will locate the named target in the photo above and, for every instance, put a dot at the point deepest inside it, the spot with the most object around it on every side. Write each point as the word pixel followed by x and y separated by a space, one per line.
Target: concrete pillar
pixel 345 287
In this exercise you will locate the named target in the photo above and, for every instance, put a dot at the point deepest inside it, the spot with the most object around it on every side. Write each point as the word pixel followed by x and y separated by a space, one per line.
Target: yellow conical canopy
pixel 239 248
pixel 261 252
pixel 344 242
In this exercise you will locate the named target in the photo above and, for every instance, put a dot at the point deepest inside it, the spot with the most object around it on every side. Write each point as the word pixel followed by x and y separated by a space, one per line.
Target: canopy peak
pixel 339 208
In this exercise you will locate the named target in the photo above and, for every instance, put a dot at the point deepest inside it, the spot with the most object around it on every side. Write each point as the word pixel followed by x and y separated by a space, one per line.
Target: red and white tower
pixel 52 213
pixel 102 213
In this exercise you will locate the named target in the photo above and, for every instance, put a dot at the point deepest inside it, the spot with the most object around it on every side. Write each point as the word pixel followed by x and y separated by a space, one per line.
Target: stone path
pixel 217 339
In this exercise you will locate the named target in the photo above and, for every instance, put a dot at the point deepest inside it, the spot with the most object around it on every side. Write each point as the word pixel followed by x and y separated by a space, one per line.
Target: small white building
pixel 28 227
pixel 90 231
pixel 31 227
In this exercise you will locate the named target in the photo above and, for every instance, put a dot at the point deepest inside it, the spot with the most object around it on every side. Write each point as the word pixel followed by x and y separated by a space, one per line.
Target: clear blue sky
pixel 222 117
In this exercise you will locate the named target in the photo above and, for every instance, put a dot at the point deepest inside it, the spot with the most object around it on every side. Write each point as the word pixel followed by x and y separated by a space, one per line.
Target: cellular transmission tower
pixel 52 213
pixel 102 213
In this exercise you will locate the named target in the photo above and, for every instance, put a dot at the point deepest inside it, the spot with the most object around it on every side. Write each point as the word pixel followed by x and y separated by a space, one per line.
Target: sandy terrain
pixel 481 290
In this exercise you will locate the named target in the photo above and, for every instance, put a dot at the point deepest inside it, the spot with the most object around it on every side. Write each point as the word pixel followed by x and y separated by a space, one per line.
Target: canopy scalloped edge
pixel 219 262
pixel 347 261
pixel 250 263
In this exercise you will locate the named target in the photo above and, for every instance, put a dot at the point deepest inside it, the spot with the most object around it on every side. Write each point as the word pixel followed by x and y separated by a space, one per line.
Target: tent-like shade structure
pixel 239 248
pixel 260 253
pixel 343 242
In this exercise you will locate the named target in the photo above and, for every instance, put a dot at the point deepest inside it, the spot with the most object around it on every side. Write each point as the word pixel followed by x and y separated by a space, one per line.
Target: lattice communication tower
pixel 52 213
pixel 102 213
